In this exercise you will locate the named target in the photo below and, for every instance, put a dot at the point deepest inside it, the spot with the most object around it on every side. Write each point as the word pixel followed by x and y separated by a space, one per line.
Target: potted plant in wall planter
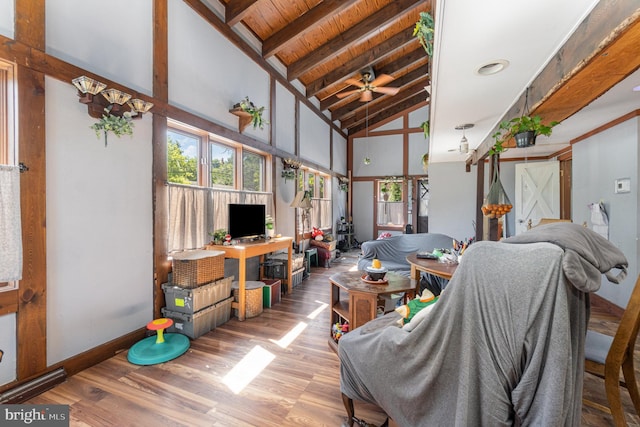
pixel 524 130
pixel 249 113
pixel 110 123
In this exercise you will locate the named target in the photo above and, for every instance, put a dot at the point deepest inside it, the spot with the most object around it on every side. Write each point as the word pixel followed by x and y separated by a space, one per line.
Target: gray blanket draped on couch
pixel 504 345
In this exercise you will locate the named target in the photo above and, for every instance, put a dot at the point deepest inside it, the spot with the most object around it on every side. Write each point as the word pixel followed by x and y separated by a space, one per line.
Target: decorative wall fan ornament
pixel 369 83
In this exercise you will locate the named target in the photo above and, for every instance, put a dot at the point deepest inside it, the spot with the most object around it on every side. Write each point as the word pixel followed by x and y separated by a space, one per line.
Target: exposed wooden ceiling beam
pixel 410 78
pixel 236 10
pixel 306 22
pixel 415 88
pixel 359 32
pixel 416 101
pixel 369 57
pixel 582 70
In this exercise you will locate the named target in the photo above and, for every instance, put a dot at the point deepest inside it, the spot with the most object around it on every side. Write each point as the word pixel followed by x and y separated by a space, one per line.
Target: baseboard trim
pixel 20 391
pixel 34 387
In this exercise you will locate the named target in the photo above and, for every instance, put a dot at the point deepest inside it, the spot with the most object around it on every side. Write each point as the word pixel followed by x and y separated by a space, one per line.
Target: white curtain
pixel 195 212
pixel 10 224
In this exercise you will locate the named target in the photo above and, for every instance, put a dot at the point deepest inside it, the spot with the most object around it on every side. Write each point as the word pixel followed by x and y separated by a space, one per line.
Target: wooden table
pixel 242 251
pixel 362 302
pixel 441 269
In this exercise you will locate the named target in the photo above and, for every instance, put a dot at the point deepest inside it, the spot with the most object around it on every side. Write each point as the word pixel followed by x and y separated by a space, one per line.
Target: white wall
pixel 99 228
pixel 339 153
pixel 111 38
pixel 418 146
pixel 315 137
pixel 7 16
pixel 285 119
pixel 8 346
pixel 362 200
pixel 597 162
pixel 208 75
pixel 386 154
pixel 452 206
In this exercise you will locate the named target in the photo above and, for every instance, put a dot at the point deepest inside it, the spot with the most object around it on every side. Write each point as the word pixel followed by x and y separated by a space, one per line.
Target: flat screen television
pixel 246 221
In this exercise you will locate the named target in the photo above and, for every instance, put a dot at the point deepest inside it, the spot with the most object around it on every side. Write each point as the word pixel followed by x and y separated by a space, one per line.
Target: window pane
pixel 311 180
pixel 182 157
pixel 222 165
pixel 252 171
pixel 321 187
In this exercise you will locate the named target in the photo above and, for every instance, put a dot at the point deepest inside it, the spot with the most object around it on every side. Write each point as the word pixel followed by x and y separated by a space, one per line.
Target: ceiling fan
pixel 368 84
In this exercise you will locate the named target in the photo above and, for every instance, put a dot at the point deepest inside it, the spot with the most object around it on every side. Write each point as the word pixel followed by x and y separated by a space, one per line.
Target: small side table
pixel 308 253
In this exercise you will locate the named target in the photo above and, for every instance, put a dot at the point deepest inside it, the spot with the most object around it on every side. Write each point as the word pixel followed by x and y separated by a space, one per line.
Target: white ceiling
pixel 528 34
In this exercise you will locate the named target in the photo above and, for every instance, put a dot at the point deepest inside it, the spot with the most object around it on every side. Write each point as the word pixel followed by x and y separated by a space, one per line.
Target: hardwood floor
pixel 279 378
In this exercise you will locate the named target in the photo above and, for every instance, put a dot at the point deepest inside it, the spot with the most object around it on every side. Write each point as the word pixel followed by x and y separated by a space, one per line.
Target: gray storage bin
pixel 201 322
pixel 190 301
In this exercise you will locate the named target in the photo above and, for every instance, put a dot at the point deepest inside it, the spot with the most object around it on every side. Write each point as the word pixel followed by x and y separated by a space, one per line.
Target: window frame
pixel 204 157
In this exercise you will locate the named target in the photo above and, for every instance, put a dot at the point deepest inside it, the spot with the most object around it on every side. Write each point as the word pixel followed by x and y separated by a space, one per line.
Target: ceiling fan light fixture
pixel 492 67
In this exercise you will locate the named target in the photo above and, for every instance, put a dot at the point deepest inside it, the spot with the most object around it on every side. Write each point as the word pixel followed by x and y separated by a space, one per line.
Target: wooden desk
pixel 441 269
pixel 362 303
pixel 243 251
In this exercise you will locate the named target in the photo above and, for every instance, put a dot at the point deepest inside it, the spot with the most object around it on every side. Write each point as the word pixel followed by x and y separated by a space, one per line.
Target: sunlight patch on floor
pixel 249 367
pixel 354 268
pixel 290 336
pixel 318 310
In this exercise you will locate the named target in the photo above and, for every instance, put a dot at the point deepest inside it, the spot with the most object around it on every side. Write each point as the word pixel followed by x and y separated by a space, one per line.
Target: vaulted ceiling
pixel 323 44
pixel 322 47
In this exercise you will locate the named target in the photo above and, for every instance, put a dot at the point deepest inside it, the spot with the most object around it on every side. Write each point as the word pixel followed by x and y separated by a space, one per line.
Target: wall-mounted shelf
pixel 244 118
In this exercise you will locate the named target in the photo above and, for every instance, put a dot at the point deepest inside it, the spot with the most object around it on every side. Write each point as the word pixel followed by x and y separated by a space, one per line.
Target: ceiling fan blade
pixel 382 80
pixel 386 90
pixel 354 82
pixel 347 93
pixel 366 96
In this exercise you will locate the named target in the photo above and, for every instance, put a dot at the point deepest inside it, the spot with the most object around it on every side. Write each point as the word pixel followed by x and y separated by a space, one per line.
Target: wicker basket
pixel 253 298
pixel 194 268
pixel 322 244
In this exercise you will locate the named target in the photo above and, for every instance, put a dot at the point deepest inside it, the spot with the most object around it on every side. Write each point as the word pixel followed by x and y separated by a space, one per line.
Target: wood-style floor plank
pixel 300 386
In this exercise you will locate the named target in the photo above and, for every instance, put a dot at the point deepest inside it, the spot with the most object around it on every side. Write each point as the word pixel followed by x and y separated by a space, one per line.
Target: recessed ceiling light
pixel 492 67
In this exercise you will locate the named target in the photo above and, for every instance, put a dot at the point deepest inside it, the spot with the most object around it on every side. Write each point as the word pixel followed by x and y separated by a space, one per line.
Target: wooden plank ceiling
pixel 325 43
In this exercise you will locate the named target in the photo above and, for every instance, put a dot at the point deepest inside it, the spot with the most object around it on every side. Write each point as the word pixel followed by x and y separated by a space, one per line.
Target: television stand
pixel 242 251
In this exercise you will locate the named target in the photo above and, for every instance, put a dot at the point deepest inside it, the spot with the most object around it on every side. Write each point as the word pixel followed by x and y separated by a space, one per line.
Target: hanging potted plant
pixel 110 123
pixel 424 30
pixel 524 130
pixel 425 128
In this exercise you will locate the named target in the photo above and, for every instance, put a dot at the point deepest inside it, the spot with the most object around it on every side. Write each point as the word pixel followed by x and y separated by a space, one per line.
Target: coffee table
pixel 360 303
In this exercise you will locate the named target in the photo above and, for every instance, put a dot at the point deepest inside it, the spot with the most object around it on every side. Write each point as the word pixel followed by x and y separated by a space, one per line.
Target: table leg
pixel 289 270
pixel 242 273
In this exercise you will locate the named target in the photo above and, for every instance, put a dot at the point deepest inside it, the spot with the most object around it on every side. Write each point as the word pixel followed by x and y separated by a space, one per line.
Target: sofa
pixel 393 251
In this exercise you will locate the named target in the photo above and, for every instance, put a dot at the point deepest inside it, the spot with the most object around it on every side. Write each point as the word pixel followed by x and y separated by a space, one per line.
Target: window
pixel 8 140
pixel 222 165
pixel 252 171
pixel 182 157
pixel 391 202
pixel 195 157
pixel 318 185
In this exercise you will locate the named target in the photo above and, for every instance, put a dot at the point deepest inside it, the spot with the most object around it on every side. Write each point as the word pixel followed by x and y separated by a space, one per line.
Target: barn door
pixel 537 193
